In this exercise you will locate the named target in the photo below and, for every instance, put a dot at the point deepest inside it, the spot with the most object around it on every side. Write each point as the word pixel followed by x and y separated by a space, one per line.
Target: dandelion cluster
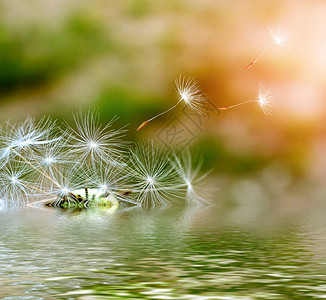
pixel 88 164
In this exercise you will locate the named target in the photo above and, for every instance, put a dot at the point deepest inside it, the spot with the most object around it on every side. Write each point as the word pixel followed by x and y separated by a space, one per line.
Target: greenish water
pixel 241 252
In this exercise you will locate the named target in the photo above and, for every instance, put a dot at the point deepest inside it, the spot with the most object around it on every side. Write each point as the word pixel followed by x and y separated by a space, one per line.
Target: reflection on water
pixel 176 253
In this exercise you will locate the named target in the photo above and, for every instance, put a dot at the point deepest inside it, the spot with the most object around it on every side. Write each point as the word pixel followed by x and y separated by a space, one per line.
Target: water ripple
pixel 161 254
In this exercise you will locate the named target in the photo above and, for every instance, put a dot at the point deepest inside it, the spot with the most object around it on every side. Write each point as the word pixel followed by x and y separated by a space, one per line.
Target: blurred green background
pixel 122 57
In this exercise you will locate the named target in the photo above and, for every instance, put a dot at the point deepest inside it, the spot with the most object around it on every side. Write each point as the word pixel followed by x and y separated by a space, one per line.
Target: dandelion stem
pixel 166 188
pixel 58 170
pixel 86 193
pixel 151 119
pixel 34 188
pixel 160 114
pixel 42 201
pixel 236 105
pixel 280 38
pixel 260 55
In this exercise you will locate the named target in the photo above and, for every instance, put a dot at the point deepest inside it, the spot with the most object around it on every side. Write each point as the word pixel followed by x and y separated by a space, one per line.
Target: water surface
pixel 237 252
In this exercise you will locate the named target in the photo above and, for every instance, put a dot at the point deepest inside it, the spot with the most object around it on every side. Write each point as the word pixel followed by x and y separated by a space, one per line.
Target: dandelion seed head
pixel 108 179
pixel 191 178
pixel 93 142
pixel 93 145
pixel 281 37
pixel 29 134
pixel 152 175
pixel 190 93
pixel 14 185
pixel 65 179
pixel 188 183
pixel 186 97
pixel 49 155
pixel 190 189
pixel 65 190
pixel 150 180
pixel 26 143
pixel 265 99
pixel 48 160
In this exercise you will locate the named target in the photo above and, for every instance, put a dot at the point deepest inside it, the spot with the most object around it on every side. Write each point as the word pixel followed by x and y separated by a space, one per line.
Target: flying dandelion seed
pixel 265 100
pixel 189 93
pixel 280 37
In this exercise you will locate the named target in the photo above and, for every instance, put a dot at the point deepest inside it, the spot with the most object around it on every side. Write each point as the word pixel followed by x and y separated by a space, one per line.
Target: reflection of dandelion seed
pixel 190 93
pixel 280 38
pixel 264 99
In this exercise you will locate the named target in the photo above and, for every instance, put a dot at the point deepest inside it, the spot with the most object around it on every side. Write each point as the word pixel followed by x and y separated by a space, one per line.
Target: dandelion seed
pixel 264 99
pixel 153 180
pixel 92 142
pixel 191 179
pixel 68 181
pixel 48 160
pixel 112 180
pixel 142 125
pixel 50 157
pixel 280 38
pixel 25 136
pixel 189 93
pixel 150 180
pixel 13 187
